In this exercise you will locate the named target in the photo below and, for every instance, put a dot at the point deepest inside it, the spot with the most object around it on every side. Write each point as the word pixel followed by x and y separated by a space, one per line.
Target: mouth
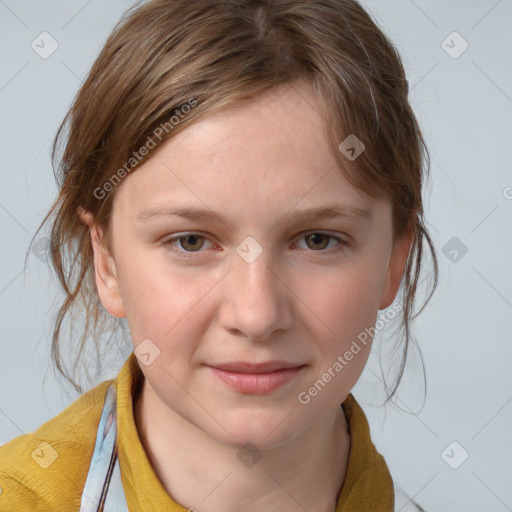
pixel 256 379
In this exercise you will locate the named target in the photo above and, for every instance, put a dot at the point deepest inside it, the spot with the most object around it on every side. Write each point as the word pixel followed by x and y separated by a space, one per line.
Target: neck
pixel 203 474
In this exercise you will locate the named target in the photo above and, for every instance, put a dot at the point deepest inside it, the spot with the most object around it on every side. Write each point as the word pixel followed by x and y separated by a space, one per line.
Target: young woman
pixel 241 181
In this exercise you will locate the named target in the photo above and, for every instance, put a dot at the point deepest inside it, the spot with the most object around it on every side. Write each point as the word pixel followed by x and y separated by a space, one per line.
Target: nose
pixel 257 301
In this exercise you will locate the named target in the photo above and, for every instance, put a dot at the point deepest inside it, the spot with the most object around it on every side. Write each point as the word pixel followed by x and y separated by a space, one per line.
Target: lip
pixel 267 367
pixel 256 379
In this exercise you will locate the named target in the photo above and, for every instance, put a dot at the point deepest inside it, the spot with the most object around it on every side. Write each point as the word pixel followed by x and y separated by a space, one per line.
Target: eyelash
pixel 168 243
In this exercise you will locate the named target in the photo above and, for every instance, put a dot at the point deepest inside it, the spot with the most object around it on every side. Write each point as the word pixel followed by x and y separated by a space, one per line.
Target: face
pixel 240 311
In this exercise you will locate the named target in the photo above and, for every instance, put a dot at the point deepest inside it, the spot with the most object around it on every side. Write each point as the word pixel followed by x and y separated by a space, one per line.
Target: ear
pixel 105 270
pixel 396 267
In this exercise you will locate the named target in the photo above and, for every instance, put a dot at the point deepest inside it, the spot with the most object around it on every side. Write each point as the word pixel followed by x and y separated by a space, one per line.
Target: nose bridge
pixel 252 271
pixel 256 302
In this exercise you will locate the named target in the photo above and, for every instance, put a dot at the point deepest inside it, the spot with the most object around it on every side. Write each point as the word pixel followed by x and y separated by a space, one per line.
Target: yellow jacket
pixel 46 470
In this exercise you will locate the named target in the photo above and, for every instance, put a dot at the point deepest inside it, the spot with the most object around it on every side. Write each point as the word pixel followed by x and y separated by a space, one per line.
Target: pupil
pixel 187 240
pixel 316 238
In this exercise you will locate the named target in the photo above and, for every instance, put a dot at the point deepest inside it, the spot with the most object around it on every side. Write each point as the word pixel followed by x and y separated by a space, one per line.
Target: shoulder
pixel 46 469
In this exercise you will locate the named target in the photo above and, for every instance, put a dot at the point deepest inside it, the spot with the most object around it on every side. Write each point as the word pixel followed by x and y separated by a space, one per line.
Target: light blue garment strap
pixel 104 472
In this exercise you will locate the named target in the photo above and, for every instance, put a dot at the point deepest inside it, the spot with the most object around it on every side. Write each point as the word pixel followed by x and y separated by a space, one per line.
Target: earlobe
pixel 396 268
pixel 105 270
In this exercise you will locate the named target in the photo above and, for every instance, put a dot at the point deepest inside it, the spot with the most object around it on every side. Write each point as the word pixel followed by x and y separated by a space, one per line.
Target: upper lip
pixel 267 367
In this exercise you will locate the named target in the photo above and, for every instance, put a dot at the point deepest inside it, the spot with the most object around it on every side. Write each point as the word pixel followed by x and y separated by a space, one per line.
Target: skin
pixel 257 165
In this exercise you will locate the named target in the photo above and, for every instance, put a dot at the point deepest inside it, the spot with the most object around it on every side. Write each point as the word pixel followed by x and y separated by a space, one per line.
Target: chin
pixel 263 428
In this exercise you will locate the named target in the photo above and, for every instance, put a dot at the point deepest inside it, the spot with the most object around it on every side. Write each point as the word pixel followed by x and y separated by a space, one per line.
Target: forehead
pixel 280 126
pixel 268 155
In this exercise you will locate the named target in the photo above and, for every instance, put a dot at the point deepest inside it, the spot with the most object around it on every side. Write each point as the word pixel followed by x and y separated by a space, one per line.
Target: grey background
pixel 464 106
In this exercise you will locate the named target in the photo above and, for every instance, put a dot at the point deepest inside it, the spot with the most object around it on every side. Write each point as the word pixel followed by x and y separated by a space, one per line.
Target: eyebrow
pixel 323 212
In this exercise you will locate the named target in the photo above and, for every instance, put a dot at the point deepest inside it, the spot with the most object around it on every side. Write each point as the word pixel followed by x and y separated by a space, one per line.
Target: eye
pixel 189 242
pixel 186 244
pixel 318 241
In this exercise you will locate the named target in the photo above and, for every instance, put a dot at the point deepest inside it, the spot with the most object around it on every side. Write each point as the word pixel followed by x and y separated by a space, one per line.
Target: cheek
pixel 163 302
pixel 348 301
pixel 348 305
pixel 350 310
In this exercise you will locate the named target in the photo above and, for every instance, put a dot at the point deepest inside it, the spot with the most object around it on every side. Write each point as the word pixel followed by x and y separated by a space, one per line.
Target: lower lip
pixel 256 383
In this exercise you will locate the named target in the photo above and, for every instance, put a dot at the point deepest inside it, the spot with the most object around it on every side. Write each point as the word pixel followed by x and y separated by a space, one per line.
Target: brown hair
pixel 166 54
